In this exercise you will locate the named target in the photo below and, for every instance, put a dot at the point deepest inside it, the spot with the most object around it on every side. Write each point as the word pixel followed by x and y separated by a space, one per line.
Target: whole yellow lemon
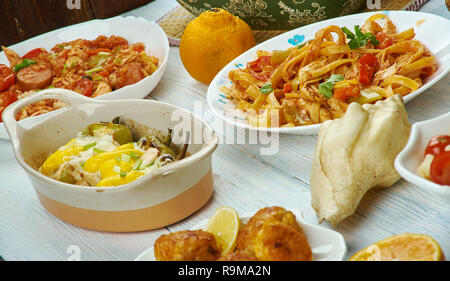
pixel 211 41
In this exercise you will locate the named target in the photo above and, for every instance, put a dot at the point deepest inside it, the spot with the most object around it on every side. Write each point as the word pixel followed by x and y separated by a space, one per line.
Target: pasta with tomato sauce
pixel 89 67
pixel 316 81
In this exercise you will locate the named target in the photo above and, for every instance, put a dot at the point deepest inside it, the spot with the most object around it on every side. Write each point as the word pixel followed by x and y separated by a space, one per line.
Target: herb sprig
pixel 326 88
pixel 359 39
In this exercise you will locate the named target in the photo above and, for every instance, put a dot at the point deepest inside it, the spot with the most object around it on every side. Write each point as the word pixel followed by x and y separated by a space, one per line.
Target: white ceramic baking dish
pixel 169 194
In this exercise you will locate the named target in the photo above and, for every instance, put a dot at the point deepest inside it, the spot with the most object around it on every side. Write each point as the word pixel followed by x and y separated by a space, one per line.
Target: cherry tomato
pixel 84 86
pixel 261 68
pixel 384 40
pixel 369 60
pixel 440 168
pixel 437 145
pixel 33 53
pixel 345 93
pixel 287 88
pixel 365 73
pixel 6 98
pixel 7 77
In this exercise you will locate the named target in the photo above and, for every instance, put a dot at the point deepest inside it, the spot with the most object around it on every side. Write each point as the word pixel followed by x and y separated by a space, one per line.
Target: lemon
pixel 224 225
pixel 402 247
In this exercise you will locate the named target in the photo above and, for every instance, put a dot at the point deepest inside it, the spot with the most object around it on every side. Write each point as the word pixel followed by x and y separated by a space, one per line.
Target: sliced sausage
pixel 37 76
pixel 129 74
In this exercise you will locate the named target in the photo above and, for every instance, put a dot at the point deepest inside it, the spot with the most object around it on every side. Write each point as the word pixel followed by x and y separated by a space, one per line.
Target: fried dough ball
pixel 187 245
pixel 237 256
pixel 273 234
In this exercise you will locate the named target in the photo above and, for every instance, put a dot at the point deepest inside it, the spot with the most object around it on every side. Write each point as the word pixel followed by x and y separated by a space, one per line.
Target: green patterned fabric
pixel 278 14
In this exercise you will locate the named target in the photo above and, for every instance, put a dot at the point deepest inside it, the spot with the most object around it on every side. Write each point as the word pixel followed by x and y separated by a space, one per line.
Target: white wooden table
pixel 244 180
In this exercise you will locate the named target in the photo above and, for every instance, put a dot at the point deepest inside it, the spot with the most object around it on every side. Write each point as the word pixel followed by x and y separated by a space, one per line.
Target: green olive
pixel 122 134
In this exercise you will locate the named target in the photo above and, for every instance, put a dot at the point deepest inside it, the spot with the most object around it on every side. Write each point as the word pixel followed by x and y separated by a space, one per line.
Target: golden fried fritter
pixel 273 234
pixel 237 256
pixel 187 245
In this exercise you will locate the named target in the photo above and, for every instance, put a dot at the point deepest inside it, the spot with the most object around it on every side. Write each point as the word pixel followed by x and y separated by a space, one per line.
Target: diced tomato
pixel 96 51
pixel 345 93
pixel 84 86
pixel 426 72
pixel 369 60
pixel 365 73
pixel 103 73
pixel 437 144
pixel 287 88
pixel 440 168
pixel 261 68
pixel 384 40
pixel 6 98
pixel 33 53
pixel 7 77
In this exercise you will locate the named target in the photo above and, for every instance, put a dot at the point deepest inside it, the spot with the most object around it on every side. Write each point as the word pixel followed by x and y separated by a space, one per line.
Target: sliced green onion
pixel 126 157
pixel 103 53
pixel 117 169
pixel 137 164
pixel 134 155
pixel 123 174
pixel 97 69
pixel 82 164
pixel 151 164
pixel 74 63
pixel 96 150
pixel 24 63
pixel 87 146
pixel 98 78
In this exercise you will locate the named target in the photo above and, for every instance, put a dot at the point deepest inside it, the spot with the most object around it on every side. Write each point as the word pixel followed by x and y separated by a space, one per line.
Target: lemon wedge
pixel 224 225
pixel 402 247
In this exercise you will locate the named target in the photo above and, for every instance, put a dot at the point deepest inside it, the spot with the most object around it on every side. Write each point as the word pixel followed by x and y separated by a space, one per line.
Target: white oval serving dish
pixel 131 28
pixel 156 199
pixel 425 32
pixel 326 244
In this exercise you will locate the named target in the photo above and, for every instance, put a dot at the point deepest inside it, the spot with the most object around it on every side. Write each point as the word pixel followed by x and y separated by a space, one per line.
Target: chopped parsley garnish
pixel 326 88
pixel 359 39
pixel 266 89
pixel 123 174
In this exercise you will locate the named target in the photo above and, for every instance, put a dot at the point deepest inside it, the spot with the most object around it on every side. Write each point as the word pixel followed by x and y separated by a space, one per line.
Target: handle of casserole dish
pixel 13 127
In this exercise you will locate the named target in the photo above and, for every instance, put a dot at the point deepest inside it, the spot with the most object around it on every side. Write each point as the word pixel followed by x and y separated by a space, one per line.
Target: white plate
pixel 131 28
pixel 434 32
pixel 412 155
pixel 326 244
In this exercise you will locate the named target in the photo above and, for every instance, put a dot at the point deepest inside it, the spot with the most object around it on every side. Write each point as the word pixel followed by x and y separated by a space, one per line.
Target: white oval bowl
pixel 412 155
pixel 326 244
pixel 131 28
pixel 154 200
pixel 425 32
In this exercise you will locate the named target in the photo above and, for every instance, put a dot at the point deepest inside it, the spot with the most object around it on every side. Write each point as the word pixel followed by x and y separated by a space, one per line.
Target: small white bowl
pixel 412 155
pixel 131 28
pixel 326 244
